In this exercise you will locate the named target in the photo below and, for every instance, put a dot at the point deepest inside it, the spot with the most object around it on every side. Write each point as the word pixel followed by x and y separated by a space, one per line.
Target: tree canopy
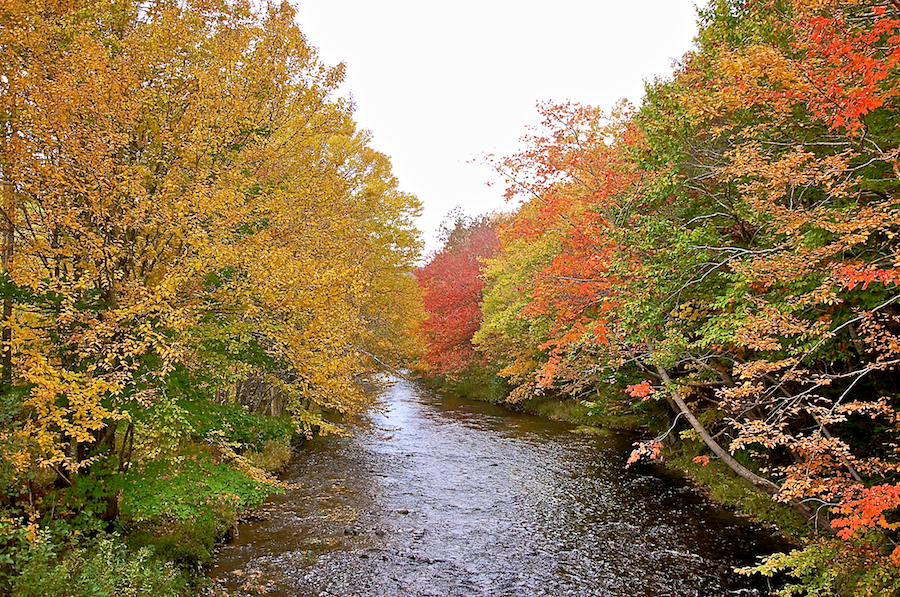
pixel 730 247
pixel 184 196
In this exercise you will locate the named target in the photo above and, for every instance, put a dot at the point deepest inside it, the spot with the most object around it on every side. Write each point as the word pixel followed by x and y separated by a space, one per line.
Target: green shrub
pixel 194 487
pixel 827 567
pixel 190 543
pixel 104 569
pixel 14 545
pixel 475 383
pixel 238 424
pixel 183 507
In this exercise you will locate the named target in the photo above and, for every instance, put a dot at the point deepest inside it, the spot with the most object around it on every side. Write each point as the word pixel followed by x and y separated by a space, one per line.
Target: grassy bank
pixel 182 495
pixel 719 483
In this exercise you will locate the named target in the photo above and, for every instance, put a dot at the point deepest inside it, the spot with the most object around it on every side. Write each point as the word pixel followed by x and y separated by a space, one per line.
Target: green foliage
pixel 190 544
pixel 101 568
pixel 826 568
pixel 239 425
pixel 195 487
pixel 80 508
pixel 14 546
pixel 474 382
pixel 811 567
pixel 183 507
pixel 161 428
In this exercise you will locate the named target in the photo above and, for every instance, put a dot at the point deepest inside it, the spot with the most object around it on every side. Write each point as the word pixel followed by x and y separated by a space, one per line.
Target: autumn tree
pixel 452 286
pixel 578 188
pixel 733 243
pixel 182 192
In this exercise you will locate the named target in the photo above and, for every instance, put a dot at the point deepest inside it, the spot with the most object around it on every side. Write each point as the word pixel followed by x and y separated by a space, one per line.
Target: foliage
pixel 272 457
pixel 828 568
pixel 192 488
pixel 451 288
pixel 210 208
pixel 729 251
pixel 476 383
pixel 182 508
pixel 192 229
pixel 102 568
pixel 246 429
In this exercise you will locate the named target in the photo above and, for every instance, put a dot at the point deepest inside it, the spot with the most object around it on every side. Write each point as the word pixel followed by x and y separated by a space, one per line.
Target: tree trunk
pixel 8 237
pixel 742 471
pixel 108 443
pixel 7 244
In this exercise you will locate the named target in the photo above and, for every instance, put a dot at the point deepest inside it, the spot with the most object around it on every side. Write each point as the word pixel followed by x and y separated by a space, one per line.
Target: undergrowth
pixel 188 483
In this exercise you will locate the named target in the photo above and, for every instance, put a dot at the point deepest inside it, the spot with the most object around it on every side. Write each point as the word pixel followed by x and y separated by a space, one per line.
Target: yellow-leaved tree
pixel 183 193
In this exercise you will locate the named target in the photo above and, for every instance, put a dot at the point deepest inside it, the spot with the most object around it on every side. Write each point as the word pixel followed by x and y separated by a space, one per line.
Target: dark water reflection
pixel 450 497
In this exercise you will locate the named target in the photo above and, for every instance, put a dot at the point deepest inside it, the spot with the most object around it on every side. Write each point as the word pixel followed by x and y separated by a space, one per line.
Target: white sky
pixel 442 83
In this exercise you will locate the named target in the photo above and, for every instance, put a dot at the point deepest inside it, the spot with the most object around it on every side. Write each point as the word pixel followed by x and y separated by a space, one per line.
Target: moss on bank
pixel 721 485
pixel 609 409
pixel 480 385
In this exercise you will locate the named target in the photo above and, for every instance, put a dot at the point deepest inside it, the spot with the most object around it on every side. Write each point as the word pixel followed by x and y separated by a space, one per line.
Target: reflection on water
pixel 450 497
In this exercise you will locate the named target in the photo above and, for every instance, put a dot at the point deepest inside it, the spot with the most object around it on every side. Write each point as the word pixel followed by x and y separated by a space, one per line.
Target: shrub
pixel 104 569
pixel 183 507
pixel 274 455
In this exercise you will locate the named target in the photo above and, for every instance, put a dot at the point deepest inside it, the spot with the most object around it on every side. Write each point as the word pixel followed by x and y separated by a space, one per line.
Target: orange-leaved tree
pixel 452 287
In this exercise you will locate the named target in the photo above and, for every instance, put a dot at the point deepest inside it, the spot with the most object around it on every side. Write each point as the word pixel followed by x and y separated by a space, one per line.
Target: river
pixel 449 497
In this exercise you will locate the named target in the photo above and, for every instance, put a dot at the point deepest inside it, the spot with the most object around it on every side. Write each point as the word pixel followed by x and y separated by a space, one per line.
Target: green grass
pixel 559 409
pixel 606 410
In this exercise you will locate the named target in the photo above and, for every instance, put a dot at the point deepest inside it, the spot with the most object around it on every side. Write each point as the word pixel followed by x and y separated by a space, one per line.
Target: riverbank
pixel 183 495
pixel 682 452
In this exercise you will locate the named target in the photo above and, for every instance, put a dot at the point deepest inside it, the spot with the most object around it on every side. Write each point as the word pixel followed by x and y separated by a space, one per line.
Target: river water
pixel 446 497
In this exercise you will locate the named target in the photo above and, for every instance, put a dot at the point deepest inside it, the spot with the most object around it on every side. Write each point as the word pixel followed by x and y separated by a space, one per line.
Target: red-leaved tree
pixel 452 289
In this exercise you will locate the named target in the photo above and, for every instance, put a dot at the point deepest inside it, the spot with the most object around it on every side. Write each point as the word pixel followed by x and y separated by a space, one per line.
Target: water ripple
pixel 453 498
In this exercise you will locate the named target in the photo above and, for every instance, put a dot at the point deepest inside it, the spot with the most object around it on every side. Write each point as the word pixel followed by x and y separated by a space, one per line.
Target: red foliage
pixel 849 61
pixel 650 450
pixel 641 390
pixel 852 275
pixel 867 510
pixel 452 289
pixel 574 178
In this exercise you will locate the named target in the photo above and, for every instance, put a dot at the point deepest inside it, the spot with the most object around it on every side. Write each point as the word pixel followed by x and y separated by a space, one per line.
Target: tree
pixel 734 242
pixel 452 287
pixel 184 194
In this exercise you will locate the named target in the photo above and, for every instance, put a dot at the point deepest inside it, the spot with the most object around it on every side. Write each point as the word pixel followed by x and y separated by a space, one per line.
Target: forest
pixel 204 261
pixel 721 263
pixel 195 234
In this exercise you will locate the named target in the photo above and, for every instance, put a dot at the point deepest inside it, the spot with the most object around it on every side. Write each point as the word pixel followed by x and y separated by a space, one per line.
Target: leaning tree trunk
pixel 742 471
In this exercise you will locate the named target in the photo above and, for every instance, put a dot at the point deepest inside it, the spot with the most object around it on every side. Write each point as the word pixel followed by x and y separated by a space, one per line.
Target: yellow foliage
pixel 180 174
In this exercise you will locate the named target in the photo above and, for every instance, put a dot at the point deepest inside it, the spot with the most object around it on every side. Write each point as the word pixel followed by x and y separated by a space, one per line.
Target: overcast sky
pixel 440 84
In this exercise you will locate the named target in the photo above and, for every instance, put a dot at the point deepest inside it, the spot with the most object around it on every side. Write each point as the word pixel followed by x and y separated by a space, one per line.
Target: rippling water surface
pixel 450 497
